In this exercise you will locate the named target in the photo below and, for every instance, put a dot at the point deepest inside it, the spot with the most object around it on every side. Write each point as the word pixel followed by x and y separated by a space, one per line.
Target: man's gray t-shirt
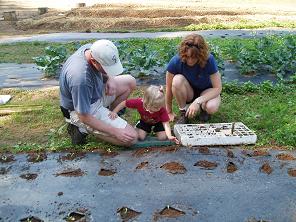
pixel 80 84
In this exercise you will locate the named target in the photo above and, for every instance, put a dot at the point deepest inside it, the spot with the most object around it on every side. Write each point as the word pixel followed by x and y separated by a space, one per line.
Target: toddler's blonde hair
pixel 154 97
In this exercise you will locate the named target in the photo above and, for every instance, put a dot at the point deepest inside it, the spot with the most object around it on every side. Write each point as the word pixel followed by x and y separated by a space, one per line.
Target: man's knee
pixel 130 81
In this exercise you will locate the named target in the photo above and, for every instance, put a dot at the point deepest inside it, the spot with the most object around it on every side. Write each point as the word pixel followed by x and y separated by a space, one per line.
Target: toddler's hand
pixel 112 115
pixel 174 139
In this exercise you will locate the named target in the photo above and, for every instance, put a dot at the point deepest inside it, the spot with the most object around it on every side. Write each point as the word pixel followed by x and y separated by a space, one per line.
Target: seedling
pixel 169 211
pixel 31 219
pixel 125 210
pixel 74 216
pixel 70 218
pixel 127 214
pixel 38 157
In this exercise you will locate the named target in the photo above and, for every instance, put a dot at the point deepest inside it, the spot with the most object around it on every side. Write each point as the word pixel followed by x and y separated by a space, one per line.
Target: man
pixel 89 87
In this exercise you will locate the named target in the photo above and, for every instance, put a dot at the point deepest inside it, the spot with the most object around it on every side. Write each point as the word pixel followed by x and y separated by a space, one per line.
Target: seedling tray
pixel 214 134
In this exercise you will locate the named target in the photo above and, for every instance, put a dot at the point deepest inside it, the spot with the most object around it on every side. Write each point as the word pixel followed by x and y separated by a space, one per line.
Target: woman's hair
pixel 195 46
pixel 154 97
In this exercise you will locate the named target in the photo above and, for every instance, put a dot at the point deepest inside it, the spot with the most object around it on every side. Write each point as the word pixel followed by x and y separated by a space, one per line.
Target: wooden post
pixel 10 16
pixel 42 10
pixel 80 5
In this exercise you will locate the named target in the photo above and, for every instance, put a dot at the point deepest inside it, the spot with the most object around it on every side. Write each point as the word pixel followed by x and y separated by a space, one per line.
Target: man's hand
pixel 110 88
pixel 122 135
pixel 192 109
pixel 172 116
pixel 112 115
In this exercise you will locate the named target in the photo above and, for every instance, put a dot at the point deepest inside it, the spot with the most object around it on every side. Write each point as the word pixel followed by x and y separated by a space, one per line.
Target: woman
pixel 193 79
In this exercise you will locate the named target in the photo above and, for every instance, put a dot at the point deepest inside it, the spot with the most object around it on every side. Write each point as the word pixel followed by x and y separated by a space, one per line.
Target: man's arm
pixel 99 125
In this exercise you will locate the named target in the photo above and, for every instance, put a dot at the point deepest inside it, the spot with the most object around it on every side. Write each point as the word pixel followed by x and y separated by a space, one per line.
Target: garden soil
pixel 163 15
pixel 152 184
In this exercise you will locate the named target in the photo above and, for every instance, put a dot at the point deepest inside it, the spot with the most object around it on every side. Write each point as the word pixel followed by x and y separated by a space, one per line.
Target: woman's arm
pixel 169 94
pixel 212 92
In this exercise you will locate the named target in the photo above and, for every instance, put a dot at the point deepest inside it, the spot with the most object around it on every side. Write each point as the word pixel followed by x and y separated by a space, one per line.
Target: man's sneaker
pixel 77 137
pixel 182 119
pixel 204 116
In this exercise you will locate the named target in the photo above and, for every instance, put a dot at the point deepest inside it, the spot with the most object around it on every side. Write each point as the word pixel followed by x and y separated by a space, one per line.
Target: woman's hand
pixel 112 115
pixel 193 109
pixel 172 116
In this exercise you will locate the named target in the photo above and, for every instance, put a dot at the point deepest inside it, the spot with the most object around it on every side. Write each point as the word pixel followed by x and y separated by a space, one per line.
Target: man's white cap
pixel 106 53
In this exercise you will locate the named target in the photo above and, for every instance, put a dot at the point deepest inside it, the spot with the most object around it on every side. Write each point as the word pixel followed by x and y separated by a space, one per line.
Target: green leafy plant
pixel 216 51
pixel 270 54
pixel 139 60
pixel 51 62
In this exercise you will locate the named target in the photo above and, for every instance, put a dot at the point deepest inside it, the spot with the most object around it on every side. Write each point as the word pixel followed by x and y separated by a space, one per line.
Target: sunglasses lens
pixel 191 45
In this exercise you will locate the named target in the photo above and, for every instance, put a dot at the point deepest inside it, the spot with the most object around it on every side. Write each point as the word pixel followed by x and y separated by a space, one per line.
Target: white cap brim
pixel 113 70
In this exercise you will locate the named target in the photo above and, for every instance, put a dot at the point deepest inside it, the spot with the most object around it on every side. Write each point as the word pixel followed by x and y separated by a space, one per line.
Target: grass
pixel 270 114
pixel 23 52
pixel 33 121
pixel 243 24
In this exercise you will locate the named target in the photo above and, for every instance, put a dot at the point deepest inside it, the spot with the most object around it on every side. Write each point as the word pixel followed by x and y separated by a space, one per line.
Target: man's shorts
pixel 158 127
pixel 100 112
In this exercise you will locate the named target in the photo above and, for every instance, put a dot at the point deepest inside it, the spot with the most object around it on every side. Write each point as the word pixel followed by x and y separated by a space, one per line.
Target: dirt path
pixel 150 14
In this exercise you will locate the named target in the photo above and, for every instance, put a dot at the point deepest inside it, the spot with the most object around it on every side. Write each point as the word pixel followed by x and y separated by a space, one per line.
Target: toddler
pixel 153 114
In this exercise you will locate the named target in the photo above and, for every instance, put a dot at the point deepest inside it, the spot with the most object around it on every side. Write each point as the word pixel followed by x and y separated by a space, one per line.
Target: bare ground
pixel 126 16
